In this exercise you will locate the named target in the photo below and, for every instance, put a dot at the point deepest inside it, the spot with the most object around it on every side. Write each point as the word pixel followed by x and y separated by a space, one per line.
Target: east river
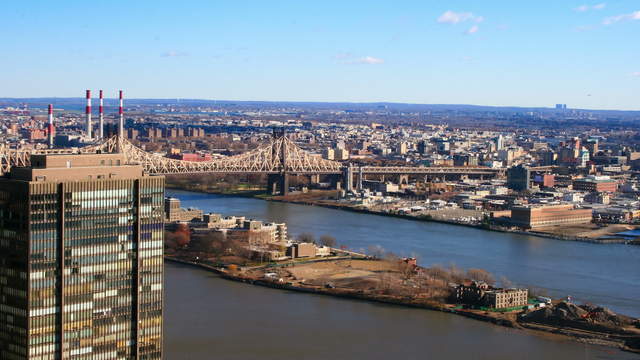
pixel 210 318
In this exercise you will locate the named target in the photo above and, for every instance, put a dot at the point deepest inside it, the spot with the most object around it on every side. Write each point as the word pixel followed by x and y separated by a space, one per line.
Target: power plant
pixel 89 134
pixel 50 126
pixel 88 114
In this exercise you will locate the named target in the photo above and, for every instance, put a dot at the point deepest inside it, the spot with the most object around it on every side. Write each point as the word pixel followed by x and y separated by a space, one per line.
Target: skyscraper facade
pixel 81 267
pixel 518 178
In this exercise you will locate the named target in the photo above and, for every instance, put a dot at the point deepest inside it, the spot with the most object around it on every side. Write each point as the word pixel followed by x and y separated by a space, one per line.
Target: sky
pixel 503 53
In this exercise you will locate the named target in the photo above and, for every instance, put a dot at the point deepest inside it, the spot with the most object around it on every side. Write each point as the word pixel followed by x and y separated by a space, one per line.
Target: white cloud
pixel 367 60
pixel 348 58
pixel 583 8
pixel 636 74
pixel 624 17
pixel 172 53
pixel 472 30
pixel 452 17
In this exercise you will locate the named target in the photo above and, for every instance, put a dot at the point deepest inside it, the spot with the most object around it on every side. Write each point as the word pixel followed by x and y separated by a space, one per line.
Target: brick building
pixel 595 184
pixel 530 217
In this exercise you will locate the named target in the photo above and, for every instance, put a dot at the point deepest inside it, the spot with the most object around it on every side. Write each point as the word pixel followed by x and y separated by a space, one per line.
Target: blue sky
pixel 534 53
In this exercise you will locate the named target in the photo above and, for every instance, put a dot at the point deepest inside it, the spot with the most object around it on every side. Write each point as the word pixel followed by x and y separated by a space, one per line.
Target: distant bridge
pixel 279 158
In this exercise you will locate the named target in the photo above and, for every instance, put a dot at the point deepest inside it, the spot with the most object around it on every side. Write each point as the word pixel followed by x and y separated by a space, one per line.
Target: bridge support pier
pixel 336 181
pixel 278 184
pixel 347 176
pixel 403 179
pixel 314 179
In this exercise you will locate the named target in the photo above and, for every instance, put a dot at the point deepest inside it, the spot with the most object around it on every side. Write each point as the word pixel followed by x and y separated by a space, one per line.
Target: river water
pixel 210 318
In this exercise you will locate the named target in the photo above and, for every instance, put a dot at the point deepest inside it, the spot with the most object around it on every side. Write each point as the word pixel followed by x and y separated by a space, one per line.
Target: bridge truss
pixel 280 156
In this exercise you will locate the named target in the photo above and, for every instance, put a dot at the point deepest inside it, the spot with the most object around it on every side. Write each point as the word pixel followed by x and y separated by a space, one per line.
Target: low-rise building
pixel 479 293
pixel 174 213
pixel 530 217
pixel 298 250
pixel 506 298
pixel 595 184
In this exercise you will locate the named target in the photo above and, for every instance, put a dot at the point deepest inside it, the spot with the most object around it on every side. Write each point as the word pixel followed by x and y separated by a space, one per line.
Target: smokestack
pixel 101 110
pixel 50 126
pixel 121 113
pixel 88 114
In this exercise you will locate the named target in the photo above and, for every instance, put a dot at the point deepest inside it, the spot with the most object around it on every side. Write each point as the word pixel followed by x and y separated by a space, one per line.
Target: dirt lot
pixel 355 274
pixel 590 231
pixel 340 269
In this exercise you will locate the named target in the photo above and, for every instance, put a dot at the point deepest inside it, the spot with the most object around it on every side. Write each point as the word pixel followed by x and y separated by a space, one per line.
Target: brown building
pixel 195 132
pixel 545 180
pixel 530 217
pixel 81 259
pixel 506 298
pixel 299 250
pixel 596 184
pixel 154 133
pixel 478 293
pixel 174 213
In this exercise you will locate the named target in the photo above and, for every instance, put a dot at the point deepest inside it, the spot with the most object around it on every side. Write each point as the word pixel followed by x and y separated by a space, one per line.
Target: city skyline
pixel 482 54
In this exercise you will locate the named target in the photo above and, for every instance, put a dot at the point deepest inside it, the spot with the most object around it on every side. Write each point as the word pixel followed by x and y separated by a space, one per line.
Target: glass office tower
pixel 81 267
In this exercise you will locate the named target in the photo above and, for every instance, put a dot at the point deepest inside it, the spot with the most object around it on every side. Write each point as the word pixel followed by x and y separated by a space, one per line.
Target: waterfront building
pixel 506 298
pixel 175 213
pixel 81 259
pixel 530 217
pixel 257 233
pixel 217 221
pixel 479 293
pixel 298 250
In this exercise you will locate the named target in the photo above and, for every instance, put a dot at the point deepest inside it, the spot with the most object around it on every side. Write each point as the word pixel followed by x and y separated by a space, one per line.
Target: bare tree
pixel 505 283
pixel 406 269
pixel 306 238
pixel 457 274
pixel 210 242
pixel 376 251
pixel 481 275
pixel 328 240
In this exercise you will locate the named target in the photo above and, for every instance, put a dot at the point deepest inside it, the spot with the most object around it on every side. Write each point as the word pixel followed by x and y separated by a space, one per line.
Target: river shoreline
pixel 256 195
pixel 589 337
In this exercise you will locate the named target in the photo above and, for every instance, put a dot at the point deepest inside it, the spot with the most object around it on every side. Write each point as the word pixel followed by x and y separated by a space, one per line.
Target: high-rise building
pixel 329 154
pixel 518 178
pixel 81 266
pixel 499 143
pixel 341 154
pixel 401 148
pixel 422 147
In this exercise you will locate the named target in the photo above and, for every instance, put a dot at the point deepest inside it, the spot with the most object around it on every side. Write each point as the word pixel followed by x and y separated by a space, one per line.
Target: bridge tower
pixel 278 184
pixel 347 176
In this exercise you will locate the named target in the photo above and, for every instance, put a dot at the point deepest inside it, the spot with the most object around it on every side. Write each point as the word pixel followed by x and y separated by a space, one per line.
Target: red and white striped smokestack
pixel 101 111
pixel 121 113
pixel 88 114
pixel 50 126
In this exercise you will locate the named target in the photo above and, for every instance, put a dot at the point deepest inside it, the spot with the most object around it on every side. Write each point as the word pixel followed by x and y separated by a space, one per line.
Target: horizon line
pixel 323 102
